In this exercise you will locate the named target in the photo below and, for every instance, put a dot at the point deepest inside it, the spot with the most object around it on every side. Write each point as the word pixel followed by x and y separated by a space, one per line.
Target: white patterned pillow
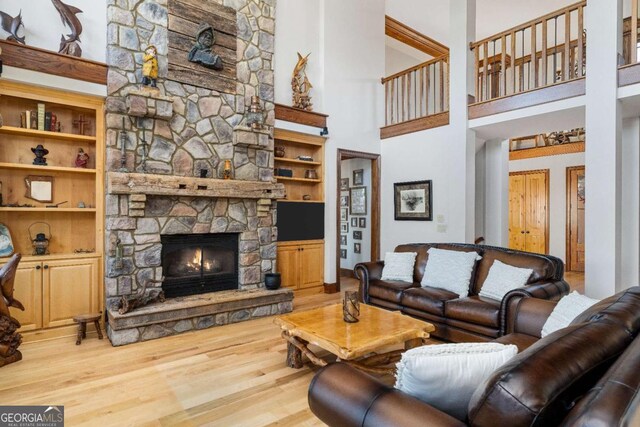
pixel 399 266
pixel 567 309
pixel 446 375
pixel 503 278
pixel 450 270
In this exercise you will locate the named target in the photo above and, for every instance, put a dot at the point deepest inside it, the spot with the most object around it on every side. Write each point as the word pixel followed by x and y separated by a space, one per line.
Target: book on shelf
pixel 47 120
pixel 54 123
pixel 41 118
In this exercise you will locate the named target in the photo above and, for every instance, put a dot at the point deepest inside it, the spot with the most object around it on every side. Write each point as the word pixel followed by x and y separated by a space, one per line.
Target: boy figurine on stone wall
pixel 150 67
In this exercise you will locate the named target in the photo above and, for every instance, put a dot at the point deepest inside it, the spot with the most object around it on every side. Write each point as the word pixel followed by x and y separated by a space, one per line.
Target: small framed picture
pixel 344 201
pixel 356 248
pixel 358 177
pixel 344 184
pixel 344 227
pixel 358 197
pixel 344 214
pixel 343 240
pixel 354 222
pixel 362 222
pixel 357 235
pixel 412 201
pixel 343 253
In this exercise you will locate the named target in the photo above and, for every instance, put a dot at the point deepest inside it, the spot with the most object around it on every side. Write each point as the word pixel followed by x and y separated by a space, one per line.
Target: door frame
pixel 344 154
pixel 547 186
pixel 568 208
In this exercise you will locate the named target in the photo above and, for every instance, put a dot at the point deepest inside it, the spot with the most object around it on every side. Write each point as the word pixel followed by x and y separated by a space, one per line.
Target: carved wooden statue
pixel 141 297
pixel 301 85
pixel 10 340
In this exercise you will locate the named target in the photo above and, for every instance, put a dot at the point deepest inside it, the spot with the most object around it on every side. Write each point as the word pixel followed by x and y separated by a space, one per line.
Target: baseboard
pixel 345 272
pixel 331 288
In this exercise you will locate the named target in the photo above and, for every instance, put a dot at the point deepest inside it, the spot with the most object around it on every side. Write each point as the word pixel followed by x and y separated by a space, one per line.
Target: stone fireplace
pixel 166 151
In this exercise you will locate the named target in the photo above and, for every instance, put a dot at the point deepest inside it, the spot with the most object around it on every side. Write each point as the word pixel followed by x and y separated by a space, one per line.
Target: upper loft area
pixel 522 56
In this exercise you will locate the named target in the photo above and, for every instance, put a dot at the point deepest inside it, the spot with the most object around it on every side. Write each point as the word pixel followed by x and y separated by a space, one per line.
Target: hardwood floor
pixel 575 280
pixel 226 376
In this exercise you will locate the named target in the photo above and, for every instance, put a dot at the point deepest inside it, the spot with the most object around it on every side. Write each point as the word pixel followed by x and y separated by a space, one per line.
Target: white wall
pixel 396 61
pixel 496 193
pixel 557 205
pixel 348 166
pixel 43 26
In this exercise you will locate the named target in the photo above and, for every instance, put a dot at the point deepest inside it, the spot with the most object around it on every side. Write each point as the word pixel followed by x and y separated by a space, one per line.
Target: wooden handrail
pixel 528 24
pixel 444 58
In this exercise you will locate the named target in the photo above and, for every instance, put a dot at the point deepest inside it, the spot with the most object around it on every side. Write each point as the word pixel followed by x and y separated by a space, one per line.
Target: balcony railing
pixel 417 92
pixel 629 37
pixel 544 51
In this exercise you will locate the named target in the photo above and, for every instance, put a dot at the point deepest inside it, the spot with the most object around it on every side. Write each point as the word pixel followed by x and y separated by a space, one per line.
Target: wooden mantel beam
pixel 407 35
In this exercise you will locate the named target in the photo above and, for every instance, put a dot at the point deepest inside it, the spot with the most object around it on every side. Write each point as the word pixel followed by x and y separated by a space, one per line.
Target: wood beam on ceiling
pixel 407 35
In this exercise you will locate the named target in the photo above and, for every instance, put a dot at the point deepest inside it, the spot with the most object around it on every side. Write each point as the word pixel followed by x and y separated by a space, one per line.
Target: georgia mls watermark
pixel 31 416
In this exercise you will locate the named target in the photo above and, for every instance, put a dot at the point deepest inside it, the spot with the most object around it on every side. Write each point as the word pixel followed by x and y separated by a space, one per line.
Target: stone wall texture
pixel 197 134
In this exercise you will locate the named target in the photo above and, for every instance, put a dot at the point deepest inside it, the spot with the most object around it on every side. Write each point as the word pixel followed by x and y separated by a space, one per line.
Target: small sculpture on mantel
pixel 150 66
pixel 13 26
pixel 70 45
pixel 201 52
pixel 301 85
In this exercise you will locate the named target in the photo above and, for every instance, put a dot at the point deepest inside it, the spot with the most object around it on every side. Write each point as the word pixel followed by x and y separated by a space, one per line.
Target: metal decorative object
pixel 40 152
pixel 301 85
pixel 226 172
pixel 70 45
pixel 201 52
pixel 255 115
pixel 123 148
pixel 351 307
pixel 13 25
pixel 41 241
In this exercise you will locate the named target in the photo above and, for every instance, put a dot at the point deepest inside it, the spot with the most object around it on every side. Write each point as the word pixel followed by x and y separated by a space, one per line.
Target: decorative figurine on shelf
pixel 201 52
pixel 41 242
pixel 13 26
pixel 82 159
pixel 226 172
pixel 82 124
pixel 70 45
pixel 301 85
pixel 40 152
pixel 150 66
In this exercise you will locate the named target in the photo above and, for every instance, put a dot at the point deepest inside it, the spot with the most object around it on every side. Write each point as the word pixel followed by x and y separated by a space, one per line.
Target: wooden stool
pixel 82 320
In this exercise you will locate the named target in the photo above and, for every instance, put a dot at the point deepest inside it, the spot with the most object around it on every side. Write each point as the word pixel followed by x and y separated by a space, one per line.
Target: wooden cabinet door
pixel 287 262
pixel 28 290
pixel 312 265
pixel 69 288
pixel 536 212
pixel 517 225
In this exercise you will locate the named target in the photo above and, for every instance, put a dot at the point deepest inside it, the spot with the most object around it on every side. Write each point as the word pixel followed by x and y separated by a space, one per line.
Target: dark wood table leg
pixel 98 330
pixel 416 342
pixel 84 329
pixel 79 337
pixel 294 356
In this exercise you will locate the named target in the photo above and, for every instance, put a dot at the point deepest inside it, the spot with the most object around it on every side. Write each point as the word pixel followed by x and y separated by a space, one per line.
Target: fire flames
pixel 196 263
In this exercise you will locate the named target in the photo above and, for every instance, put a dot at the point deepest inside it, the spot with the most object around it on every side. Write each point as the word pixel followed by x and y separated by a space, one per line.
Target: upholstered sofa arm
pixel 366 271
pixel 550 291
pixel 525 315
pixel 343 396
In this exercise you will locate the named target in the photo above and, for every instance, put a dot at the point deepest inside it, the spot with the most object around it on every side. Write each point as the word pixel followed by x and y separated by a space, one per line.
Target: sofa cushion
pixel 399 266
pixel 450 270
pixel 545 268
pixel 539 385
pixel 522 341
pixel 389 290
pixel 567 309
pixel 502 279
pixel 475 309
pixel 427 299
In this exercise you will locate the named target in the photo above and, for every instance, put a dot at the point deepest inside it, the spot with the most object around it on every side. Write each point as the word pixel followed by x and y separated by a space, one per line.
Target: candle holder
pixel 351 307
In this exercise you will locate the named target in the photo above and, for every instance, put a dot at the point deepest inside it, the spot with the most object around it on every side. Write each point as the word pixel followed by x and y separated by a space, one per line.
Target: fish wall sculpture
pixel 71 44
pixel 13 25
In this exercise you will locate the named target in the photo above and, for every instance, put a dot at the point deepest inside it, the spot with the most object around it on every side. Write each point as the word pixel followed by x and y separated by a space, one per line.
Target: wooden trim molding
pixel 46 61
pixel 416 125
pixel 296 115
pixel 407 35
pixel 552 150
pixel 530 98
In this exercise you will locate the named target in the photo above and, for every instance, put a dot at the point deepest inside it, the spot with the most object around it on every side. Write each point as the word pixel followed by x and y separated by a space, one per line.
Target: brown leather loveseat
pixel 472 318
pixel 587 374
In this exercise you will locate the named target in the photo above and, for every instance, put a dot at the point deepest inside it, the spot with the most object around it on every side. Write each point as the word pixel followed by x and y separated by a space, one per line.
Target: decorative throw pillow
pixel 445 376
pixel 399 266
pixel 567 309
pixel 503 278
pixel 450 270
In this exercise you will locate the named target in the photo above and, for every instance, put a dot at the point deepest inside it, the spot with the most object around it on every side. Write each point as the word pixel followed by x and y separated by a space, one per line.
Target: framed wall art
pixel 413 201
pixel 344 214
pixel 358 196
pixel 344 227
pixel 357 248
pixel 344 184
pixel 343 253
pixel 354 222
pixel 343 240
pixel 344 201
pixel 357 235
pixel 362 222
pixel 358 177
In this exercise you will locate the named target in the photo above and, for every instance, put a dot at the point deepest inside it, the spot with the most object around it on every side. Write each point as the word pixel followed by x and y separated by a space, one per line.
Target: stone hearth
pixel 177 139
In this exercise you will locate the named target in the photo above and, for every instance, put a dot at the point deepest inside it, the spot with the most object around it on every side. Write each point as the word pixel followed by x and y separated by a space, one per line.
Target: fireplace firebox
pixel 199 263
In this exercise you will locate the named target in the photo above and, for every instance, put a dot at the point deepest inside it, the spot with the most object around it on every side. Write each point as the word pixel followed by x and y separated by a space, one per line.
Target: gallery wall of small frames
pixel 353 211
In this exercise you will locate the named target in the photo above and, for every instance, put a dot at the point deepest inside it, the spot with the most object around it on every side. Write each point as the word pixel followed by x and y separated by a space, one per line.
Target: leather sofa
pixel 583 375
pixel 471 318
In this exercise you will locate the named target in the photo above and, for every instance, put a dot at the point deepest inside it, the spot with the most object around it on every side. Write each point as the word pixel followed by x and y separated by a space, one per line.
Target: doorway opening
pixel 358 211
pixel 575 218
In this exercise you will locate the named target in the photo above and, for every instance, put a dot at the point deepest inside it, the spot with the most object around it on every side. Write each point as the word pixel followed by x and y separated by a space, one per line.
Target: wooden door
pixel 536 212
pixel 312 265
pixel 517 225
pixel 28 290
pixel 69 288
pixel 575 218
pixel 288 260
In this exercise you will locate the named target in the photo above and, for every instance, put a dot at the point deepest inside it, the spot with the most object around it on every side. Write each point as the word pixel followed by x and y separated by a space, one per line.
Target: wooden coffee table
pixel 354 343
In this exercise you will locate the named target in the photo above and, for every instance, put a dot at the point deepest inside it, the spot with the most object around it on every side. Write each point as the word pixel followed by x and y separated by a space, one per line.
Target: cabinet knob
pixel 46 267
pixel 38 267
pixel 527 232
pixel 522 232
